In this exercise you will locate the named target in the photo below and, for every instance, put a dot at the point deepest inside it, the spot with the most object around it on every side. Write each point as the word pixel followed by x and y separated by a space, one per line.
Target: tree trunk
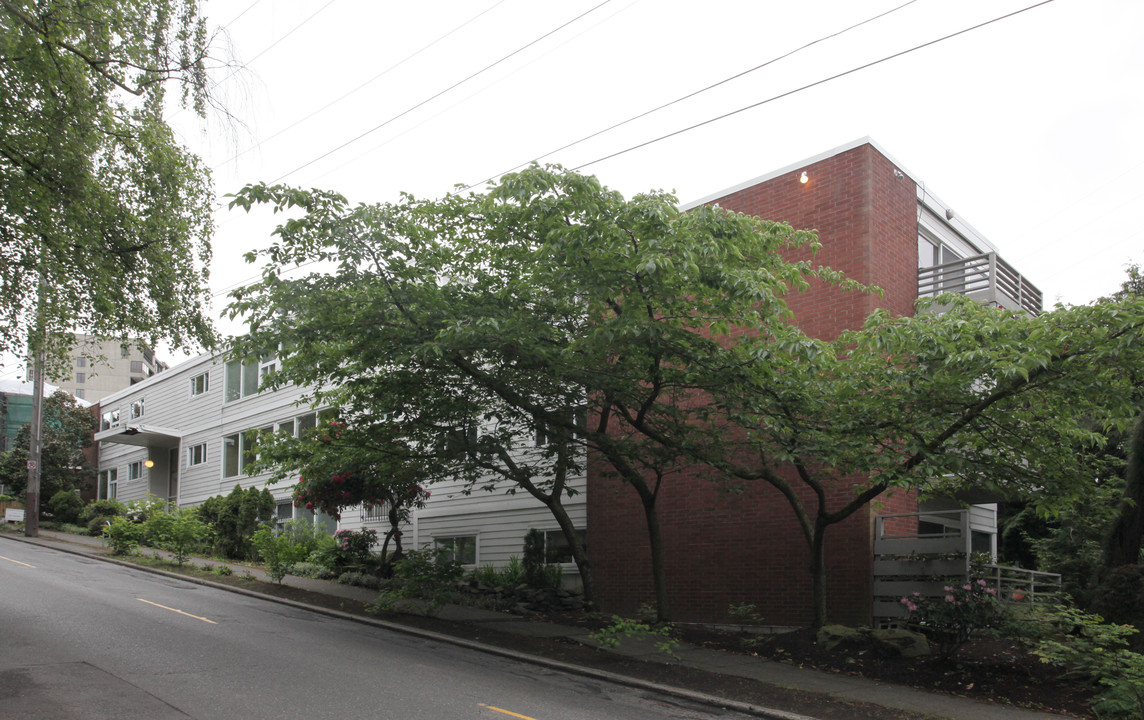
pixel 818 573
pixel 579 556
pixel 658 573
pixel 1122 543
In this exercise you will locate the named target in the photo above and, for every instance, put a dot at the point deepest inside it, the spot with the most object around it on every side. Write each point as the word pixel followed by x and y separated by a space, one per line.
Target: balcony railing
pixel 986 278
pixel 924 552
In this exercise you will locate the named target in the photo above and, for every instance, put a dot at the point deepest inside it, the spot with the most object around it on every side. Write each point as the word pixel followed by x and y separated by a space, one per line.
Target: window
pixel 135 470
pixel 80 377
pixel 374 513
pixel 108 484
pixel 81 361
pixel 80 394
pixel 200 384
pixel 461 438
pixel 196 454
pixel 241 379
pixel 239 451
pixel 136 411
pixel 556 549
pixel 461 548
pixel 136 366
pixel 109 419
pixel 284 513
pixel 546 435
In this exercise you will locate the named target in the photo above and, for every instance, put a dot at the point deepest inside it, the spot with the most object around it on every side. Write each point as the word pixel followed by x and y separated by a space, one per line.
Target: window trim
pixel 200 451
pixel 137 409
pixel 109 420
pixel 135 471
pixel 205 384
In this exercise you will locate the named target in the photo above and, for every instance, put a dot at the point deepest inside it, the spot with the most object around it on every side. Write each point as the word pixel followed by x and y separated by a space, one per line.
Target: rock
pixel 830 637
pixel 899 643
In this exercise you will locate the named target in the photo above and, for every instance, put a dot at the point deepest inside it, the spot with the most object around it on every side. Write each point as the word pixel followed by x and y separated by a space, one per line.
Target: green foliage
pixel 102 508
pixel 354 546
pixel 610 636
pixel 1084 644
pixel 313 570
pixel 179 531
pixel 534 565
pixel 66 431
pixel 235 518
pixel 277 551
pixel 745 614
pixel 425 575
pixel 360 579
pixel 107 217
pixel 123 536
pixel 509 576
pixel 951 620
pixel 223 570
pixel 65 506
pixel 1119 597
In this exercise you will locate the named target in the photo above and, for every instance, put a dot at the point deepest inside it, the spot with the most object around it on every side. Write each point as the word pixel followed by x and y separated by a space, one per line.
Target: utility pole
pixel 39 357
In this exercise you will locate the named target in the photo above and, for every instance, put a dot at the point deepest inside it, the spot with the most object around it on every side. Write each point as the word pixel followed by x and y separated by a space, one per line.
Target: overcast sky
pixel 1029 127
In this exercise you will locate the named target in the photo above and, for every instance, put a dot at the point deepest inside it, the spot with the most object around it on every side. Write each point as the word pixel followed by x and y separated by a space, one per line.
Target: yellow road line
pixel 16 561
pixel 506 712
pixel 196 617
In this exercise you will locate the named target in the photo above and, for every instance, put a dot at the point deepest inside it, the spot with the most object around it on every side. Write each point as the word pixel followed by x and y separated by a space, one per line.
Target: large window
pixel 459 548
pixel 243 377
pixel 239 451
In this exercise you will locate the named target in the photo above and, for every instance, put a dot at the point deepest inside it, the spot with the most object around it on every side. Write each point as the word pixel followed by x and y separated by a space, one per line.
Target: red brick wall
pixel 729 548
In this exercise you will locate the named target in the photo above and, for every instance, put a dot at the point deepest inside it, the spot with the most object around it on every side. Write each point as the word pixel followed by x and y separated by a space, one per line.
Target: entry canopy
pixel 141 435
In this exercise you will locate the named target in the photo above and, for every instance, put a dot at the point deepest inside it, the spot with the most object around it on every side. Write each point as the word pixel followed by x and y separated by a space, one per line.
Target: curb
pixel 624 680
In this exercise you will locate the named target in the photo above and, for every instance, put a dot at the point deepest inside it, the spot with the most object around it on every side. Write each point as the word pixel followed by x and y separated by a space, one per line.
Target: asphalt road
pixel 85 639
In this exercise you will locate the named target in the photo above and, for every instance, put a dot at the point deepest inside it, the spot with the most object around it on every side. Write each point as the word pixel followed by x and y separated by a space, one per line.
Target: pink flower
pixel 949 599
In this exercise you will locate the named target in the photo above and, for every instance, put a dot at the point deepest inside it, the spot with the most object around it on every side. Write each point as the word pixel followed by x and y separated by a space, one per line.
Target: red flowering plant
pixel 341 465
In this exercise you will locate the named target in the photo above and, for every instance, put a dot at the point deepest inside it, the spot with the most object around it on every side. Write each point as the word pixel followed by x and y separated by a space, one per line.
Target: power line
pixel 364 84
pixel 695 93
pixel 442 92
pixel 810 85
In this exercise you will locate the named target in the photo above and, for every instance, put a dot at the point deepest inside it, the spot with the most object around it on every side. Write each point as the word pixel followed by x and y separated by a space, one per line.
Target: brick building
pixel 881 227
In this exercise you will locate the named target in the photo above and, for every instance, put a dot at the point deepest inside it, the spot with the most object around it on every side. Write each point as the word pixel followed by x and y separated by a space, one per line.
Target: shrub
pixel 222 570
pixel 180 531
pixel 609 636
pixel 360 580
pixel 952 619
pixel 422 574
pixel 510 575
pixel 101 509
pixel 313 570
pixel 235 518
pixel 123 536
pixel 65 506
pixel 1083 643
pixel 97 525
pixel 277 551
pixel 354 546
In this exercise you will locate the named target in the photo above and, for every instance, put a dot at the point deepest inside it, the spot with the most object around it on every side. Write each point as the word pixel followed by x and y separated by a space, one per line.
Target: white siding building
pixel 181 435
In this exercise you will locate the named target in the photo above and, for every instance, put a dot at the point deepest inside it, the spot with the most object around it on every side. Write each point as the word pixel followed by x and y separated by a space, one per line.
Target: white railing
pixel 926 551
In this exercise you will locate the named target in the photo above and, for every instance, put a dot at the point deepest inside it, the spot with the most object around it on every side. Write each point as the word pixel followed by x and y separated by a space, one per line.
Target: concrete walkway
pixel 843 688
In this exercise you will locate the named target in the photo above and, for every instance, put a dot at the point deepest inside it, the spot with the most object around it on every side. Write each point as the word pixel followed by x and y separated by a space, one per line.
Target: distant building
pixel 102 367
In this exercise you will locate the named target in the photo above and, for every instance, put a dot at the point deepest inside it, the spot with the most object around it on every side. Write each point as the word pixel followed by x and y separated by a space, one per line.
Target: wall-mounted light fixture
pixel 804 179
pixel 148 464
pixel 898 174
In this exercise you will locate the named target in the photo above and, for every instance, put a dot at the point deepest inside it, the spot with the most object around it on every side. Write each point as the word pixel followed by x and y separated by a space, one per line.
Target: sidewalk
pixel 843 688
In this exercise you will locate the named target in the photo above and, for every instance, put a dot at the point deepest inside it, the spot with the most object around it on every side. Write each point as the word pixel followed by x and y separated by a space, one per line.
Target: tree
pixel 67 431
pixel 338 466
pixel 550 292
pixel 104 218
pixel 523 312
